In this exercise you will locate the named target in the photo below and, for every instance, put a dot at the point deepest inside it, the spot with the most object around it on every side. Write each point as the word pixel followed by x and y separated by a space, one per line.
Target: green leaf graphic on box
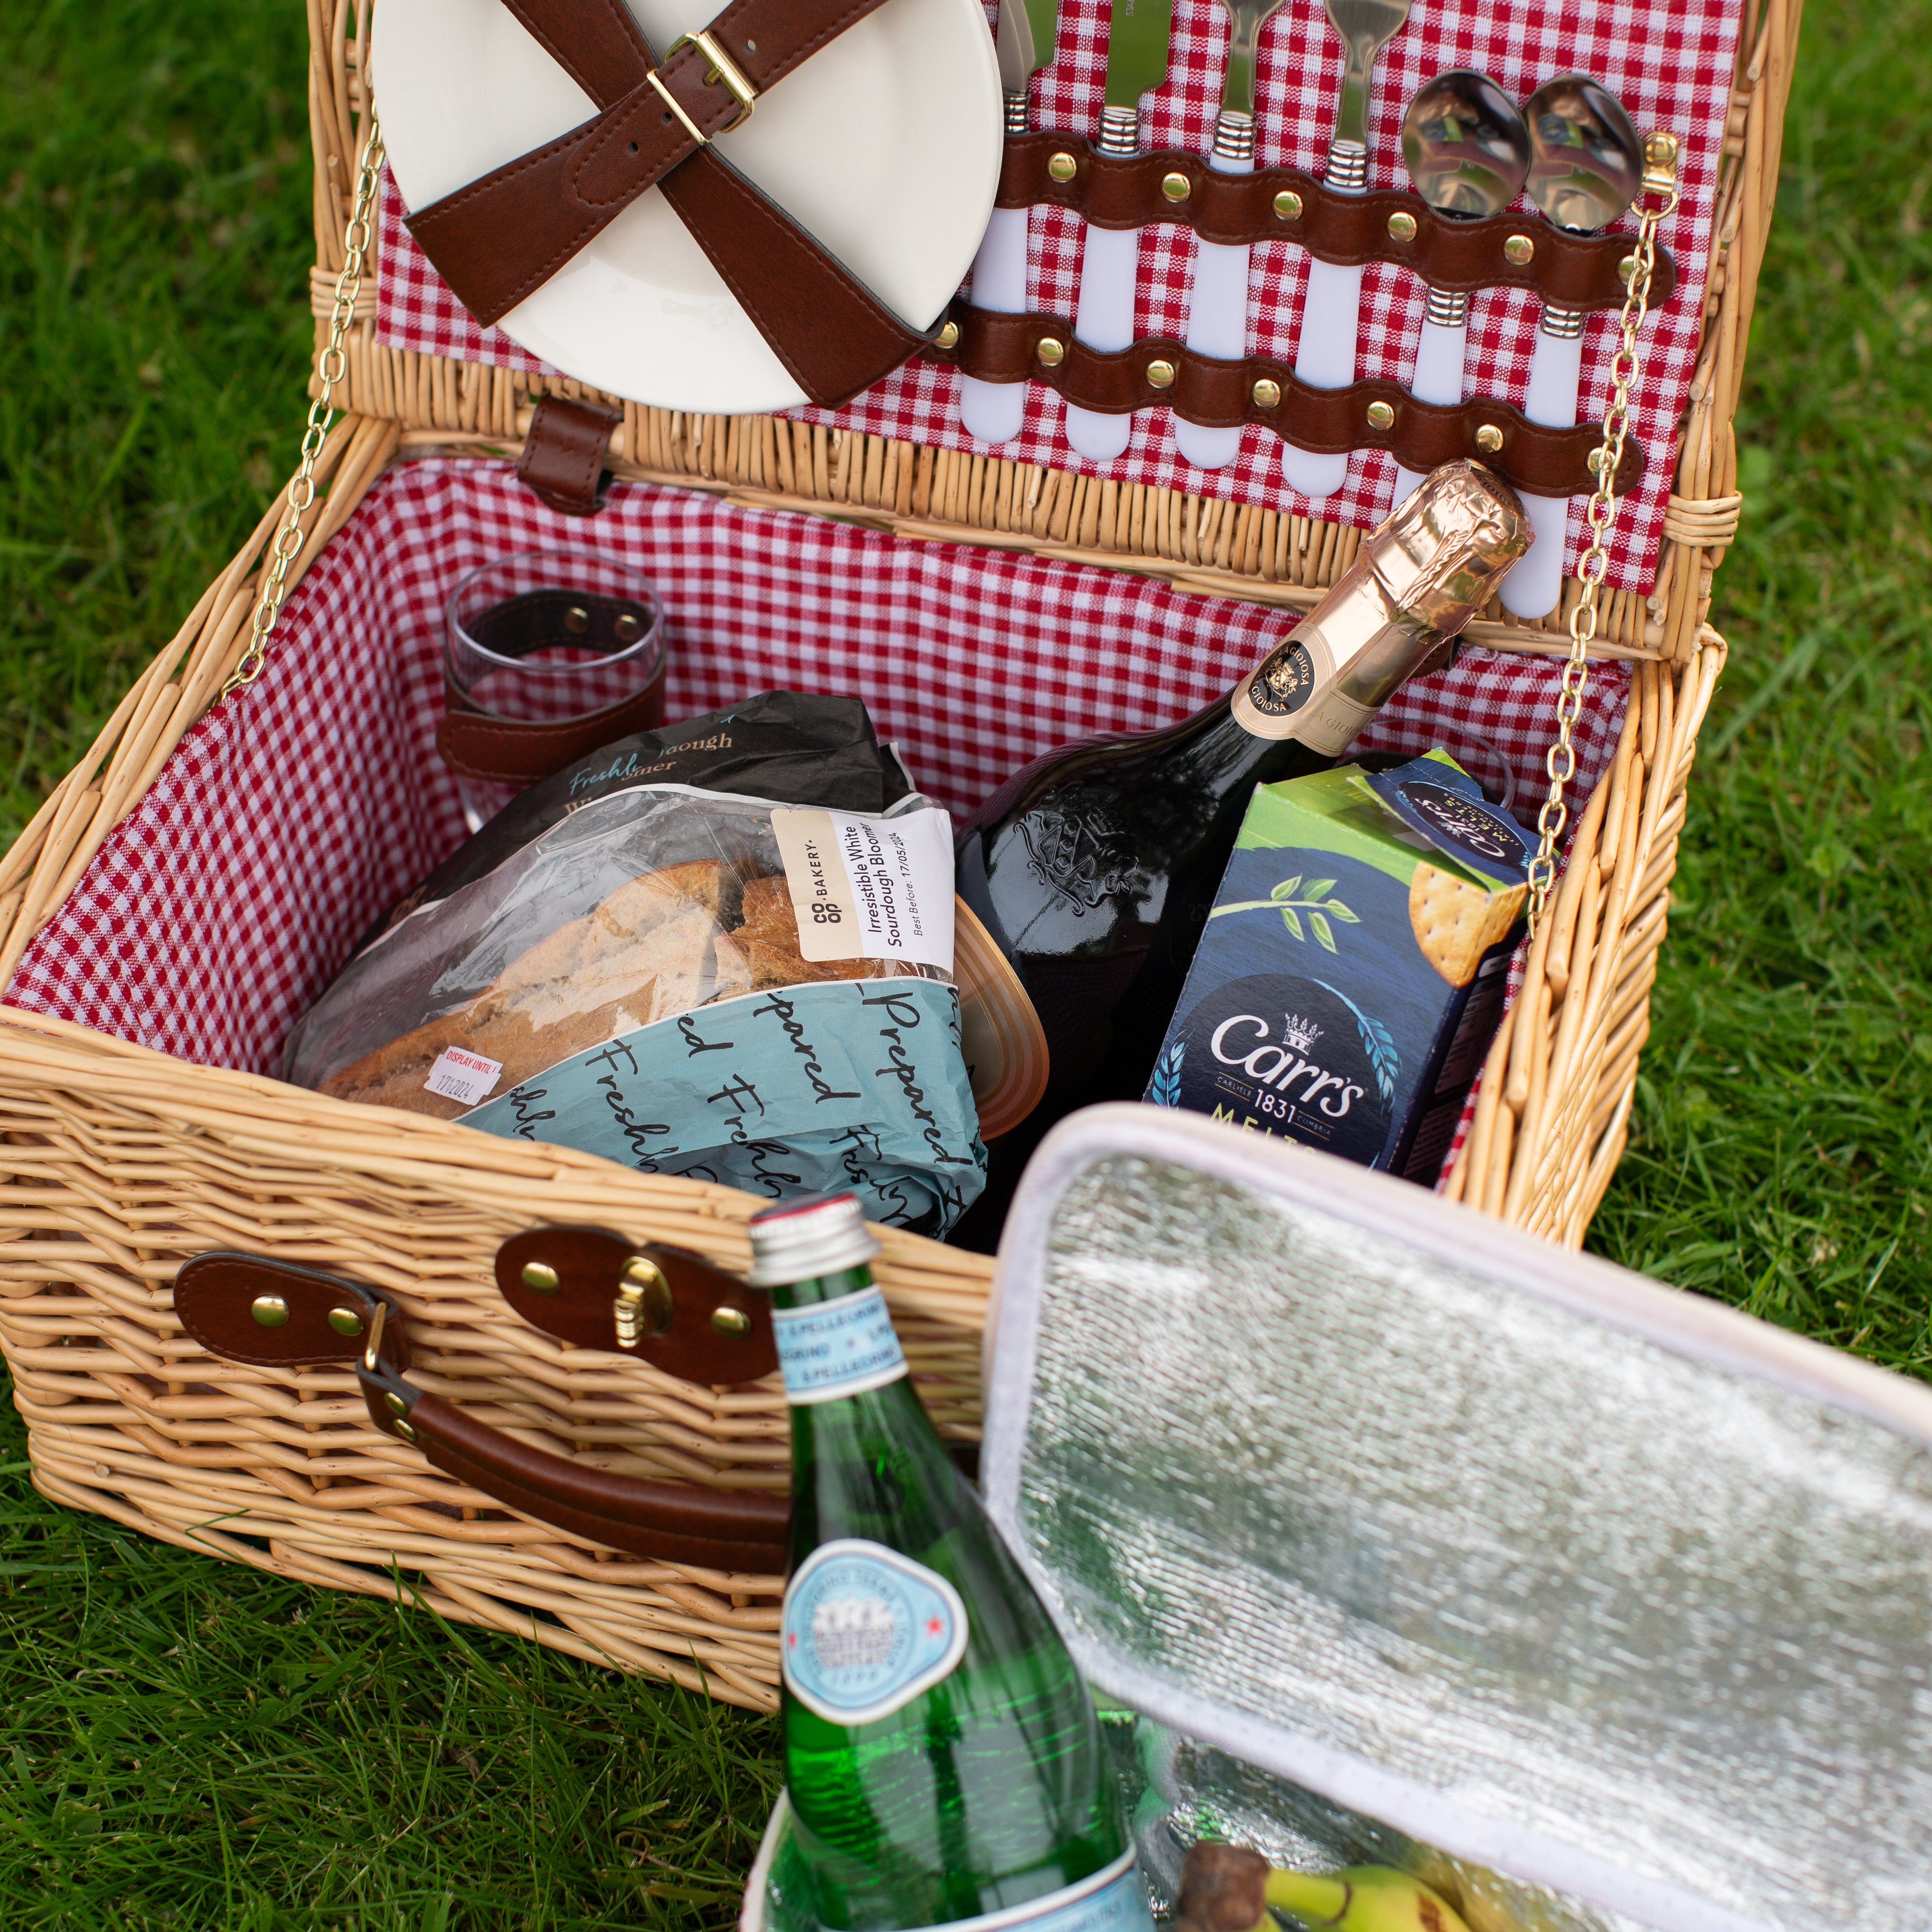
pixel 1315 902
pixel 1164 1089
pixel 1377 1043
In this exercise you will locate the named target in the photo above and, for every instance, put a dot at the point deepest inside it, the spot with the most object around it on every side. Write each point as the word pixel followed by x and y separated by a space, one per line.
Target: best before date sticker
pixel 866 887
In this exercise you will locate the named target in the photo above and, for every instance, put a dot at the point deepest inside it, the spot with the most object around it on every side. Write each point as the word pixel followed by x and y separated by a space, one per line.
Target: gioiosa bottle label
pixel 1292 693
pixel 835 1348
pixel 865 1629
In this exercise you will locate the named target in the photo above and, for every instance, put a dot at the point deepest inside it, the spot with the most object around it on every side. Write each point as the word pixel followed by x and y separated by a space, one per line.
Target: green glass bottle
pixel 942 1757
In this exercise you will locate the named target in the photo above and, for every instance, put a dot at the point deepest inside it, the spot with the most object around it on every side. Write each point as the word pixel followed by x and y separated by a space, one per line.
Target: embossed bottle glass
pixel 1093 868
pixel 942 1757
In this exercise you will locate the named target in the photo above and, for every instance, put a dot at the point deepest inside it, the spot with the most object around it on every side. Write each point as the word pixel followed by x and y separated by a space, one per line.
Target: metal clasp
pixel 722 68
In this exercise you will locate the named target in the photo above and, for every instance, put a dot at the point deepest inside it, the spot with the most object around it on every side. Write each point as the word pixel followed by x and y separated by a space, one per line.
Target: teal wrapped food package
pixel 689 982
pixel 1353 970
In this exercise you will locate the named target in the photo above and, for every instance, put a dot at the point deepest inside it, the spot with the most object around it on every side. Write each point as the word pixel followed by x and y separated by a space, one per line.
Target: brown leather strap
pixel 562 462
pixel 1573 271
pixel 478 744
pixel 504 235
pixel 1546 462
pixel 220 1298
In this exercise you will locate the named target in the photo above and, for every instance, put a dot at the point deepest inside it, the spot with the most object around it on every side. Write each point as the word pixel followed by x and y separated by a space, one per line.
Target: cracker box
pixel 1352 973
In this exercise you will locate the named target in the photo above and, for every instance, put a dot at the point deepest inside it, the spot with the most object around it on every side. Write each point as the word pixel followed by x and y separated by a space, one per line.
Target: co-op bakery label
pixel 866 887
pixel 853 1084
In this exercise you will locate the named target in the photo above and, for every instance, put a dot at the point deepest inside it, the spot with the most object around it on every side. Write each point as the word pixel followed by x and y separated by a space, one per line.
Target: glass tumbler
pixel 552 638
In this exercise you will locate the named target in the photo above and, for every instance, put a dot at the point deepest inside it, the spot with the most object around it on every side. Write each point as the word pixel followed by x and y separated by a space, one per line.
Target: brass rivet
pixel 1051 350
pixel 398 1405
pixel 1062 167
pixel 1489 438
pixel 1518 250
pixel 1595 460
pixel 948 336
pixel 1659 149
pixel 1626 268
pixel 270 1310
pixel 1176 186
pixel 1381 415
pixel 1267 392
pixel 731 1322
pixel 345 1321
pixel 1160 373
pixel 540 1277
pixel 1287 205
pixel 407 1431
pixel 628 627
pixel 1402 226
pixel 576 620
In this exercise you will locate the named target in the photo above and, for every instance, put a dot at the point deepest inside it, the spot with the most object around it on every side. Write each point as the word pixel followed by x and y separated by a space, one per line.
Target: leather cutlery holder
pixel 1578 272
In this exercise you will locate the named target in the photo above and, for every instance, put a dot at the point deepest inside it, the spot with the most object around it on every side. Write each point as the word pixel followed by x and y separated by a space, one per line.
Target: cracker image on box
pixel 1353 970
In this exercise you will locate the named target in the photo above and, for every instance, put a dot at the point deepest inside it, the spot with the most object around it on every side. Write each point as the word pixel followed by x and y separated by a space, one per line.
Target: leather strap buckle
pixel 740 89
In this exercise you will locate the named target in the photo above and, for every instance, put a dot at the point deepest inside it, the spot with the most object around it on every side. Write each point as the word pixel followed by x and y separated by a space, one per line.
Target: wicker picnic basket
pixel 130 1143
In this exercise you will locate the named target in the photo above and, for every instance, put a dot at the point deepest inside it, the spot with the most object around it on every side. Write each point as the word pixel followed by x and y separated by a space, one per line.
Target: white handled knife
pixel 993 412
pixel 1137 40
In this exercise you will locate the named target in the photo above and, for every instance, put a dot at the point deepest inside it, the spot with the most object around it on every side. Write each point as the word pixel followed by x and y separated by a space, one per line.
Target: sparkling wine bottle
pixel 1093 869
pixel 943 1760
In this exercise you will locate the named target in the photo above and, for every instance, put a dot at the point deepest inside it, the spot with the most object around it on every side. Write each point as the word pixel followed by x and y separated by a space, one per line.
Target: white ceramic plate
pixel 885 145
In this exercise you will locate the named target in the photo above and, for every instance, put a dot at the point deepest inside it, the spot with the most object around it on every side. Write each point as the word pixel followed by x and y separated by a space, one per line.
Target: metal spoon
pixel 1585 166
pixel 1331 308
pixel 1468 153
pixel 1217 302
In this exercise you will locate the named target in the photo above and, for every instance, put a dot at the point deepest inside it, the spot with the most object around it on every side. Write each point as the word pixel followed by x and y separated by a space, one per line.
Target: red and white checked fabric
pixel 1670 64
pixel 296 812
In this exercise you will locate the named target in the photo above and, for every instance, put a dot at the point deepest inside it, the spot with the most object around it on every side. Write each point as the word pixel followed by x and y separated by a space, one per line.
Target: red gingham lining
pixel 297 812
pixel 1670 64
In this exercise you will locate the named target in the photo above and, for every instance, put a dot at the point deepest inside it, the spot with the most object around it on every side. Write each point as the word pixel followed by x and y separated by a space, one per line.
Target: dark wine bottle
pixel 1093 869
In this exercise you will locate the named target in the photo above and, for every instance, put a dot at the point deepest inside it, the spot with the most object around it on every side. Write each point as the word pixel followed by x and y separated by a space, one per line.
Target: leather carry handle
pixel 505 234
pixel 998 348
pixel 1566 271
pixel 248 1308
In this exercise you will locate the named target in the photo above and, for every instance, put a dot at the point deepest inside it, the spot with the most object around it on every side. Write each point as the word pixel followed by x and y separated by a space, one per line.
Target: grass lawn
pixel 187 1744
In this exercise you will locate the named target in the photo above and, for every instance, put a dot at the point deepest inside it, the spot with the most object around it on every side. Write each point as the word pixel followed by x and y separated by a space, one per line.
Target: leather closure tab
pixel 1573 271
pixel 998 348
pixel 222 1298
pixel 704 1326
pixel 564 453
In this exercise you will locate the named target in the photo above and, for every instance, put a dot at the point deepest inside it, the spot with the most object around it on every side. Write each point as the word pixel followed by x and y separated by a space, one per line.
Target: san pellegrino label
pixel 1114 1899
pixel 829 1349
pixel 865 1630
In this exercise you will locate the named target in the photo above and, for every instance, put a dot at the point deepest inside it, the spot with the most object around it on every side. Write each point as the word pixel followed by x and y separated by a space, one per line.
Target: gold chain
pixel 1656 202
pixel 331 365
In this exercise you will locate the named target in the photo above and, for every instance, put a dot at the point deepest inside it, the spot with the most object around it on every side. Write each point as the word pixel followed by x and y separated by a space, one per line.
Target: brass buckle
pixel 740 89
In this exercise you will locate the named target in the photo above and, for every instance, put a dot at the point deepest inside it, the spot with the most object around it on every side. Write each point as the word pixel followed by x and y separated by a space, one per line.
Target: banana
pixel 1364 1898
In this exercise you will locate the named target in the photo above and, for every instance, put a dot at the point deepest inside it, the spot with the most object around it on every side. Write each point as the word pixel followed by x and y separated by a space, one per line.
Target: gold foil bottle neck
pixel 1441 555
